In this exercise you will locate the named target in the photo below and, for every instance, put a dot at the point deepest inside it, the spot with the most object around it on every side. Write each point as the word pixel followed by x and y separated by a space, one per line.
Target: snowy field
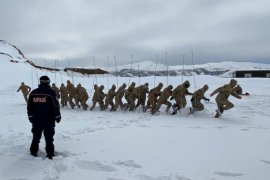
pixel 135 145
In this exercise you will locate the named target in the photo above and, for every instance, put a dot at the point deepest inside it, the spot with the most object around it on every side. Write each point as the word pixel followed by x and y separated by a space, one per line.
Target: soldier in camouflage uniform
pixel 179 95
pixel 77 95
pixel 83 97
pixel 25 90
pixel 119 95
pixel 163 99
pixel 152 97
pixel 64 95
pixel 141 92
pixel 101 97
pixel 71 93
pixel 130 96
pixel 196 99
pixel 56 90
pixel 109 98
pixel 95 97
pixel 224 93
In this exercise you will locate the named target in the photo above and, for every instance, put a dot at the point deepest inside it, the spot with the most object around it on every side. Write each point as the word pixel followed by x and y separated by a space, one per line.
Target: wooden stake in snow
pixel 116 71
pixel 166 59
pixel 130 73
pixel 70 70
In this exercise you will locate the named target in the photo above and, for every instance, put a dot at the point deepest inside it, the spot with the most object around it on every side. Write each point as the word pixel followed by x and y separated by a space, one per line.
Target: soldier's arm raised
pixel 19 89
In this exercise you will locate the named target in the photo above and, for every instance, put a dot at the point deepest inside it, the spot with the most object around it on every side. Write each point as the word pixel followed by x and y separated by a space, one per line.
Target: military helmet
pixel 62 84
pixel 113 87
pixel 146 84
pixel 187 84
pixel 22 83
pixel 53 84
pixel 124 85
pixel 205 87
pixel 233 82
pixel 160 85
pixel 170 87
pixel 79 85
pixel 133 84
pixel 68 81
pixel 102 87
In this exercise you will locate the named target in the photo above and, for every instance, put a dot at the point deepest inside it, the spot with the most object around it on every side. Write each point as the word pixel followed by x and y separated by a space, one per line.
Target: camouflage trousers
pixel 180 102
pixel 25 95
pixel 77 100
pixel 151 103
pixel 64 100
pixel 131 103
pixel 101 105
pixel 109 102
pixel 141 101
pixel 118 102
pixel 83 102
pixel 197 105
pixel 157 106
pixel 71 103
pixel 224 104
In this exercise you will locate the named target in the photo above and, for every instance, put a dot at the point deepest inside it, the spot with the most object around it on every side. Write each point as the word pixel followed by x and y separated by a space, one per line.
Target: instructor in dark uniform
pixel 43 111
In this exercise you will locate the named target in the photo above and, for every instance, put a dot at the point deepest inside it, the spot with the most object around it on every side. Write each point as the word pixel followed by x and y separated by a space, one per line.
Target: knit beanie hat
pixel 44 80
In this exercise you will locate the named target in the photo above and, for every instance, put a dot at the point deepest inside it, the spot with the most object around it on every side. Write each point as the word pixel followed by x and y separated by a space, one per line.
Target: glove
pixel 30 119
pixel 58 119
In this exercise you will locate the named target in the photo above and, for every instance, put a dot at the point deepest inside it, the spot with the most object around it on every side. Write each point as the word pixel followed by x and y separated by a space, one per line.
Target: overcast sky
pixel 215 30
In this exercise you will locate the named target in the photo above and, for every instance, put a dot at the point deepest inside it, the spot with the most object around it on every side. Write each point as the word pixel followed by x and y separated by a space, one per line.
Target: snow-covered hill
pixel 11 52
pixel 222 69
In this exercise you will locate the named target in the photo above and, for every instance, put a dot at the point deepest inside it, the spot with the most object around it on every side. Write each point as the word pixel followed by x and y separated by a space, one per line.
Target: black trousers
pixel 48 134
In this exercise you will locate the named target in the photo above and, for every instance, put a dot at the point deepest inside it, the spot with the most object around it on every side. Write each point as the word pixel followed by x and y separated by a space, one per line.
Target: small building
pixel 252 74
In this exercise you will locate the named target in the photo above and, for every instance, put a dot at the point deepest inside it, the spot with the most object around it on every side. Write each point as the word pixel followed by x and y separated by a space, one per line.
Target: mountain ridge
pixel 145 68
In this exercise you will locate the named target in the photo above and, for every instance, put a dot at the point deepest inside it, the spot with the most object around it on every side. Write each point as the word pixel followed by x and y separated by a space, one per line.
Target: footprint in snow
pixel 267 162
pixel 196 127
pixel 221 127
pixel 170 177
pixel 96 166
pixel 246 129
pixel 129 163
pixel 228 174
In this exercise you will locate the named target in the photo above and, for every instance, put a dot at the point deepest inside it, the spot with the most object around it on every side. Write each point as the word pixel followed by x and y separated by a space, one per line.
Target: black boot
pixel 50 156
pixel 174 111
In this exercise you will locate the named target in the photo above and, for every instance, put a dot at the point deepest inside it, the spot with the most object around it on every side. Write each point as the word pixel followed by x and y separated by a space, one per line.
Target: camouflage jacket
pixel 141 91
pixel 70 89
pixel 24 88
pixel 198 95
pixel 224 92
pixel 63 91
pixel 180 92
pixel 165 95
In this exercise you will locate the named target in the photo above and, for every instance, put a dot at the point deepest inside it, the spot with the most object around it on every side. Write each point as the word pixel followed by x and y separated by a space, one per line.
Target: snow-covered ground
pixel 135 145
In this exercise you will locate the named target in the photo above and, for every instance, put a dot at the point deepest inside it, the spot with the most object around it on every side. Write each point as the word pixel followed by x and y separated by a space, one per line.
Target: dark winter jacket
pixel 43 107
